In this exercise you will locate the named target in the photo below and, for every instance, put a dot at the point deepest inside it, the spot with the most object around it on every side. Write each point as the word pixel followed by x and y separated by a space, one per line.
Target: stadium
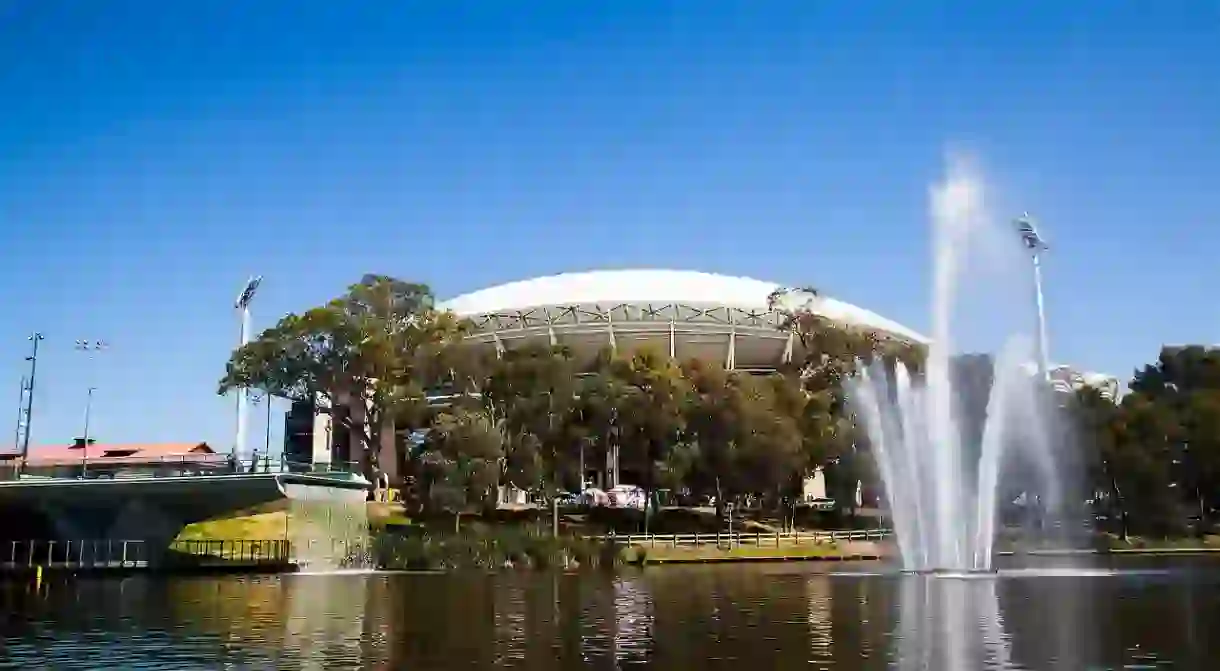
pixel 685 313
pixel 732 320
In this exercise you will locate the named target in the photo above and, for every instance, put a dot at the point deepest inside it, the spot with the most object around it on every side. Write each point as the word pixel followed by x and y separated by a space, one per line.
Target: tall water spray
pixel 942 481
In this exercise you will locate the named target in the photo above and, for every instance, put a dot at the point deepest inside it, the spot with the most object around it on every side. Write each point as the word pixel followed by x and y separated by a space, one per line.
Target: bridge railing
pixel 119 554
pixel 90 553
pixel 276 551
pixel 171 466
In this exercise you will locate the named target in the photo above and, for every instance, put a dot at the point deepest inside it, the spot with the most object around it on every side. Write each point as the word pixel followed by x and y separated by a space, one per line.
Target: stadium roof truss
pixel 696 328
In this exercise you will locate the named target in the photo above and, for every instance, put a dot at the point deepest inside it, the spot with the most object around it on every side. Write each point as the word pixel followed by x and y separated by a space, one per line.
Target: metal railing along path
pixel 91 554
pixel 752 539
pixel 277 551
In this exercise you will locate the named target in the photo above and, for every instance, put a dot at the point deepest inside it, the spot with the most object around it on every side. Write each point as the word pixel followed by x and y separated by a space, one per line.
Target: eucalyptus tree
pixel 375 351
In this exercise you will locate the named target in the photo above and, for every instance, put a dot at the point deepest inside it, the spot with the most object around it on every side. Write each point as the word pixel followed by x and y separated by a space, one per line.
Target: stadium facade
pixel 690 315
pixel 735 321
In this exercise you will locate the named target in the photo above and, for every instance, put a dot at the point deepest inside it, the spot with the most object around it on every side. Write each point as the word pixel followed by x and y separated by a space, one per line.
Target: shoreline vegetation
pixel 525 542
pixel 685 430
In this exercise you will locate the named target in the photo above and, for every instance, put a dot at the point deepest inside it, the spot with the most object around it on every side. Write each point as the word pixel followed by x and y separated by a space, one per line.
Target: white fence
pixel 756 539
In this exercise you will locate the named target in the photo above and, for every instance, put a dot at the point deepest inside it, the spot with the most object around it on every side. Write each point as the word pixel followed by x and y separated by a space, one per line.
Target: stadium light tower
pixel 1034 243
pixel 243 394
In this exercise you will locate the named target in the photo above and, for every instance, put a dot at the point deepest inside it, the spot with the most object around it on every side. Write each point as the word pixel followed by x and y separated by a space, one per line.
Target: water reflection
pixel 710 618
pixel 950 624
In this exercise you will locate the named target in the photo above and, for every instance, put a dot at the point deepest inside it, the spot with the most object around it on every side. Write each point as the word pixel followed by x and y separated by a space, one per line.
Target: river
pixel 1150 614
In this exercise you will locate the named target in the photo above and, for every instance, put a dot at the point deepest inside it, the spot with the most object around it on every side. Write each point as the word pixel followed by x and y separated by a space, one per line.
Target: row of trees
pixel 534 416
pixel 1153 459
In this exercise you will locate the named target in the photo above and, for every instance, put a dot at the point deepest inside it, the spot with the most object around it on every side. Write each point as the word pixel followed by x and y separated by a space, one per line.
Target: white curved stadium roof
pixel 653 286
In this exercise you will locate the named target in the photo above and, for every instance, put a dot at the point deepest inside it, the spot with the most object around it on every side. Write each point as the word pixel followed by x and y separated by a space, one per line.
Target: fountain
pixel 328 529
pixel 942 480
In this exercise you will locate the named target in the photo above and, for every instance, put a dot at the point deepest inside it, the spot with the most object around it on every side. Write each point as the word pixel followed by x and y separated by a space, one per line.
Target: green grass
pixel 254 526
pixel 270 522
pixel 643 554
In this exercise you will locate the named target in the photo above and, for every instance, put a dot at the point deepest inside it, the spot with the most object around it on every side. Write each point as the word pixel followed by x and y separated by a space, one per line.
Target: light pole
pixel 84 459
pixel 29 398
pixel 1036 245
pixel 243 395
pixel 20 415
pixel 88 347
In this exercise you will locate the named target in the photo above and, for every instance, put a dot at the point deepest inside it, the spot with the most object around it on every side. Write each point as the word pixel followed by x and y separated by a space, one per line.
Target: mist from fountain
pixel 328 528
pixel 943 481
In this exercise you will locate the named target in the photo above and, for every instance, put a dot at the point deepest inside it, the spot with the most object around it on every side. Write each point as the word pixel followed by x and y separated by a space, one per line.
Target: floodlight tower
pixel 243 394
pixel 88 347
pixel 1036 245
pixel 29 398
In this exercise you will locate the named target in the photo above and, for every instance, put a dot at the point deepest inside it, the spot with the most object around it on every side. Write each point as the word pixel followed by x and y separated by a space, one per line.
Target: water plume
pixel 940 470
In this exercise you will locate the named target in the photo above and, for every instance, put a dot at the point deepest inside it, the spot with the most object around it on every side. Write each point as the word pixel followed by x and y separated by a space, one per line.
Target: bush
pixel 492 548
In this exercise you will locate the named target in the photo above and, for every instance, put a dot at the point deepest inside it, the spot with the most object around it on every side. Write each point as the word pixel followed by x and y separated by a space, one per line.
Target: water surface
pixel 1150 614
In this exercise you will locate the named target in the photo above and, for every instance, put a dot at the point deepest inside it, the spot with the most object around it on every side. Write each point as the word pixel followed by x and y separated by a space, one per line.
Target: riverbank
pixel 520 540
pixel 641 555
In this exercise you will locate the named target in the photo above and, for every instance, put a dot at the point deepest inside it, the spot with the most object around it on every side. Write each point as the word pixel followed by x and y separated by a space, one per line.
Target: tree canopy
pixel 383 341
pixel 1154 458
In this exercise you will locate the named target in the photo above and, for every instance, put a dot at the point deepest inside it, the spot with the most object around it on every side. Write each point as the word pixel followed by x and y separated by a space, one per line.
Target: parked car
pixel 626 496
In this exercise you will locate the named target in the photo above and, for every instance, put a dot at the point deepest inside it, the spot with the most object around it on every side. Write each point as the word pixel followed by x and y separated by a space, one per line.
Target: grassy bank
pixel 663 554
pixel 271 521
pixel 523 539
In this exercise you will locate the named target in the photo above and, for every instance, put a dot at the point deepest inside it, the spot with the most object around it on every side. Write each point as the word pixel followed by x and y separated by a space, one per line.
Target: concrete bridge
pixel 152 509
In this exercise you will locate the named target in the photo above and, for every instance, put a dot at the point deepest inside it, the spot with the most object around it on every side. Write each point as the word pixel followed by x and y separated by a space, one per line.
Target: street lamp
pixel 243 395
pixel 1034 243
pixel 88 347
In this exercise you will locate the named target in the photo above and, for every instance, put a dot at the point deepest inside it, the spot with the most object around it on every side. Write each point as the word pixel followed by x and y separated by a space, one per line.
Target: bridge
pixel 154 508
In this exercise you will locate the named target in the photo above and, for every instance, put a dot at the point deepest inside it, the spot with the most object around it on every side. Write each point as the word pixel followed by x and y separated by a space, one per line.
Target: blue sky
pixel 153 155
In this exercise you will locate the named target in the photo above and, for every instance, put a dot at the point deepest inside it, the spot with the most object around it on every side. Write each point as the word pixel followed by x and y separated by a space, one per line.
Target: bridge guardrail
pixel 172 466
pixel 92 553
pixel 119 554
pixel 244 551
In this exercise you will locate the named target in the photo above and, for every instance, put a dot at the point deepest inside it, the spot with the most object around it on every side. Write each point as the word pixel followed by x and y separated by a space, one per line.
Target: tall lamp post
pixel 29 397
pixel 89 347
pixel 20 415
pixel 243 395
pixel 1034 243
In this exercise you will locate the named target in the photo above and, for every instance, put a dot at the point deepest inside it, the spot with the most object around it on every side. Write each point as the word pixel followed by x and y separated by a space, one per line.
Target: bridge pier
pixel 146 513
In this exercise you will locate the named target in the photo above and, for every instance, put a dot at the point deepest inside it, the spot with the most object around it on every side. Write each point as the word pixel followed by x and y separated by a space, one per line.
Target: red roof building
pixel 99 458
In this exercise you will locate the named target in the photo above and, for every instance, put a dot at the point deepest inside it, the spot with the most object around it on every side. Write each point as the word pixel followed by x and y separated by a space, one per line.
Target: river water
pixel 1151 614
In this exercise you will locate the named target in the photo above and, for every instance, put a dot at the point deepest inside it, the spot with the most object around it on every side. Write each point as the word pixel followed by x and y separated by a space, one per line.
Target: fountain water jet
pixel 943 482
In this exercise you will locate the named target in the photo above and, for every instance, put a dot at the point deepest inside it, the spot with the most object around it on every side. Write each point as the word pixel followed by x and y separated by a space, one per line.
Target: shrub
pixel 489 548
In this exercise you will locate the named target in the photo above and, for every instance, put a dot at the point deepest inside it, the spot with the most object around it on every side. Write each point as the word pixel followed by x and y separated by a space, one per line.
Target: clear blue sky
pixel 154 154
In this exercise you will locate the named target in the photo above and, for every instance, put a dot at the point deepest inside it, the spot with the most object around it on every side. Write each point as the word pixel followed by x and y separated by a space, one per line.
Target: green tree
pixel 713 418
pixel 533 388
pixel 827 355
pixel 1183 389
pixel 1096 432
pixel 652 399
pixel 461 462
pixel 770 457
pixel 383 341
pixel 593 422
